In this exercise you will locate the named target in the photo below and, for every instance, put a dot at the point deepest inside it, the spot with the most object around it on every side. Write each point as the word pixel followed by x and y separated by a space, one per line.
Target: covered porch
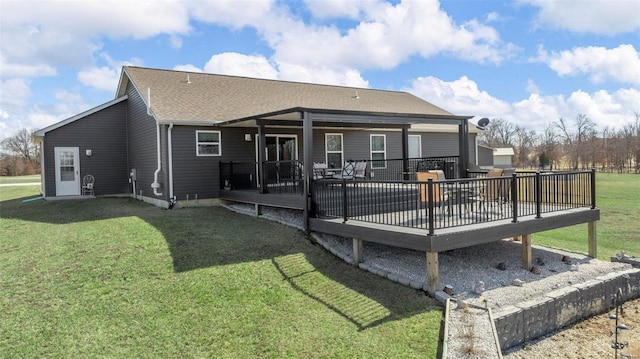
pixel 395 207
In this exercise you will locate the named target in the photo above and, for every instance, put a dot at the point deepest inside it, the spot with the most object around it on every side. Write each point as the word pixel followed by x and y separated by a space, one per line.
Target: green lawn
pixel 19 179
pixel 113 277
pixel 618 197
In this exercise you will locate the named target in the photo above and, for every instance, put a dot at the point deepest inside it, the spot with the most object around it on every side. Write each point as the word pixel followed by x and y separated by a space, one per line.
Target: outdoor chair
pixel 440 197
pixel 495 191
pixel 348 171
pixel 87 185
pixel 360 171
pixel 319 170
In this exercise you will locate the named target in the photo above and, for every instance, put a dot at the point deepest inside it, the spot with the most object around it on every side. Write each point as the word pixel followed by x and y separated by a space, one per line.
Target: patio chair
pixel 440 197
pixel 348 171
pixel 319 170
pixel 494 190
pixel 360 171
pixel 87 185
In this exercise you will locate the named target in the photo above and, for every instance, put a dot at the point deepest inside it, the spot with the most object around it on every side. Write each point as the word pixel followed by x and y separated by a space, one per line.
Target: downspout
pixel 170 165
pixel 155 185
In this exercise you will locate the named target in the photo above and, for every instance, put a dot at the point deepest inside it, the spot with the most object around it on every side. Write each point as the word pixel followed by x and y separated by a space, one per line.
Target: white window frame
pixel 327 152
pixel 198 144
pixel 419 146
pixel 384 151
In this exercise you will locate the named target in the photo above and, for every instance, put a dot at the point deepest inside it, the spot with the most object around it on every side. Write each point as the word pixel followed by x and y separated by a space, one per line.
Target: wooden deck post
pixel 432 273
pixel 258 210
pixel 526 251
pixel 357 251
pixel 593 243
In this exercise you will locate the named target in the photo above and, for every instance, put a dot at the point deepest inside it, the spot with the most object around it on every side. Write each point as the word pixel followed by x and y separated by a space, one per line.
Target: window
pixel 415 146
pixel 333 148
pixel 378 151
pixel 208 143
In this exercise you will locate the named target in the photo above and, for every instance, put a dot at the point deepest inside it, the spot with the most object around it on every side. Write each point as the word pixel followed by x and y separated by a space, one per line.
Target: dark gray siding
pixel 141 130
pixel 200 176
pixel 104 134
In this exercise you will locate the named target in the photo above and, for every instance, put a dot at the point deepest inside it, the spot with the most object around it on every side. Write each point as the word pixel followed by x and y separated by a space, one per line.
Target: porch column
pixel 405 150
pixel 593 245
pixel 463 148
pixel 307 135
pixel 262 145
pixel 432 273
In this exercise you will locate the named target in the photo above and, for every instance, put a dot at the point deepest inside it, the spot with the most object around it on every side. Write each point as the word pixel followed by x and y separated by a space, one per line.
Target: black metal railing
pixel 405 170
pixel 278 176
pixel 434 205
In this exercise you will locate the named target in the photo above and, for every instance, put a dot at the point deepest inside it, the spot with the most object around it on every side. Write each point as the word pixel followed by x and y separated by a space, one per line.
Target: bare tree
pixel 21 155
pixel 575 137
pixel 549 144
pixel 499 133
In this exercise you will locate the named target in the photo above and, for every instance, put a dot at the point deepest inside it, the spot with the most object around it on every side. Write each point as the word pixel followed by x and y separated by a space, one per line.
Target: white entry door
pixel 67 171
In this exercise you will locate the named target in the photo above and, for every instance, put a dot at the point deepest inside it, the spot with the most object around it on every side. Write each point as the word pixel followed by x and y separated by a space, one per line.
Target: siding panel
pixel 104 133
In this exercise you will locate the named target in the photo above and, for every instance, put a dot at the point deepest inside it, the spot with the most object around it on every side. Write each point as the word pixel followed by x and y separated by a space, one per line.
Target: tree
pixel 499 133
pixel 21 155
pixel 575 138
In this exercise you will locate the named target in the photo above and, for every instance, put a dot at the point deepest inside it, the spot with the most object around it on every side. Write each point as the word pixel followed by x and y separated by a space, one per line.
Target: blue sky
pixel 527 61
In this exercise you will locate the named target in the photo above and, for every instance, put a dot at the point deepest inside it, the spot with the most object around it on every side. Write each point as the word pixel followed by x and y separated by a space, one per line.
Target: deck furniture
pixel 87 185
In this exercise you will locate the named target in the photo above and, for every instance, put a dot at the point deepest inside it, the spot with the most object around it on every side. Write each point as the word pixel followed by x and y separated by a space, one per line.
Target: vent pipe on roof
pixel 188 81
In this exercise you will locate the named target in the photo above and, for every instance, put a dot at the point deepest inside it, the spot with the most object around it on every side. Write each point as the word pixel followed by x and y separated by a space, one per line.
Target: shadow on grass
pixel 208 237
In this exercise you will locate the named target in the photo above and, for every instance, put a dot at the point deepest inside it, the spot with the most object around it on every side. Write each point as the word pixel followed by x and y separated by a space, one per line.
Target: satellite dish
pixel 483 122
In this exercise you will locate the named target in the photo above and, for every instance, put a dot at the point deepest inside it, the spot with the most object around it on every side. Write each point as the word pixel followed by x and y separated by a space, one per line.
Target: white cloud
pixel 175 42
pixel 338 8
pixel 588 16
pixel 232 63
pixel 105 77
pixel 322 75
pixel 621 64
pixel 66 33
pixel 461 96
pixel 15 93
pixel 387 36
pixel 605 109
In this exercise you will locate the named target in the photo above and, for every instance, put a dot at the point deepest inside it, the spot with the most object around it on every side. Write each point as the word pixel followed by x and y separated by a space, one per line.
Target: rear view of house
pixel 167 135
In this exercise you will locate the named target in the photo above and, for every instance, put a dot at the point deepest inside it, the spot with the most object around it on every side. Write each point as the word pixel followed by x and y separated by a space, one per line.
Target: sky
pixel 526 61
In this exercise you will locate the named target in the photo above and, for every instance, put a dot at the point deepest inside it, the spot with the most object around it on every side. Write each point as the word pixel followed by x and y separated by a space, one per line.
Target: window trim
pixel 384 151
pixel 327 152
pixel 198 143
pixel 419 145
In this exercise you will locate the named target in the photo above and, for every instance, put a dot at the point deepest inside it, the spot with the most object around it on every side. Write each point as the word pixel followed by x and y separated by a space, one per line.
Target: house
pixel 163 137
pixel 503 157
pixel 173 138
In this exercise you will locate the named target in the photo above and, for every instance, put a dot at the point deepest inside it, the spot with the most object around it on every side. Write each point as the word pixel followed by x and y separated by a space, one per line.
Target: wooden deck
pixel 395 213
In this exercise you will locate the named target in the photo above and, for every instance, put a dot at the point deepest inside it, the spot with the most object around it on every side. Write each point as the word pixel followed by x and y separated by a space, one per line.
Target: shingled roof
pixel 193 98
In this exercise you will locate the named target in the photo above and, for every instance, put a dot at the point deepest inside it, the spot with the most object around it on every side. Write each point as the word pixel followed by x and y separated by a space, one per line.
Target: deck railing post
pixel 538 195
pixel 514 197
pixel 344 201
pixel 593 188
pixel 430 206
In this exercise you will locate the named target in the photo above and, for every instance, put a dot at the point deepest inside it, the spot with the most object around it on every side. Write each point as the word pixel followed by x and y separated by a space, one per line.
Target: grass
pixel 113 277
pixel 118 278
pixel 618 197
pixel 19 179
